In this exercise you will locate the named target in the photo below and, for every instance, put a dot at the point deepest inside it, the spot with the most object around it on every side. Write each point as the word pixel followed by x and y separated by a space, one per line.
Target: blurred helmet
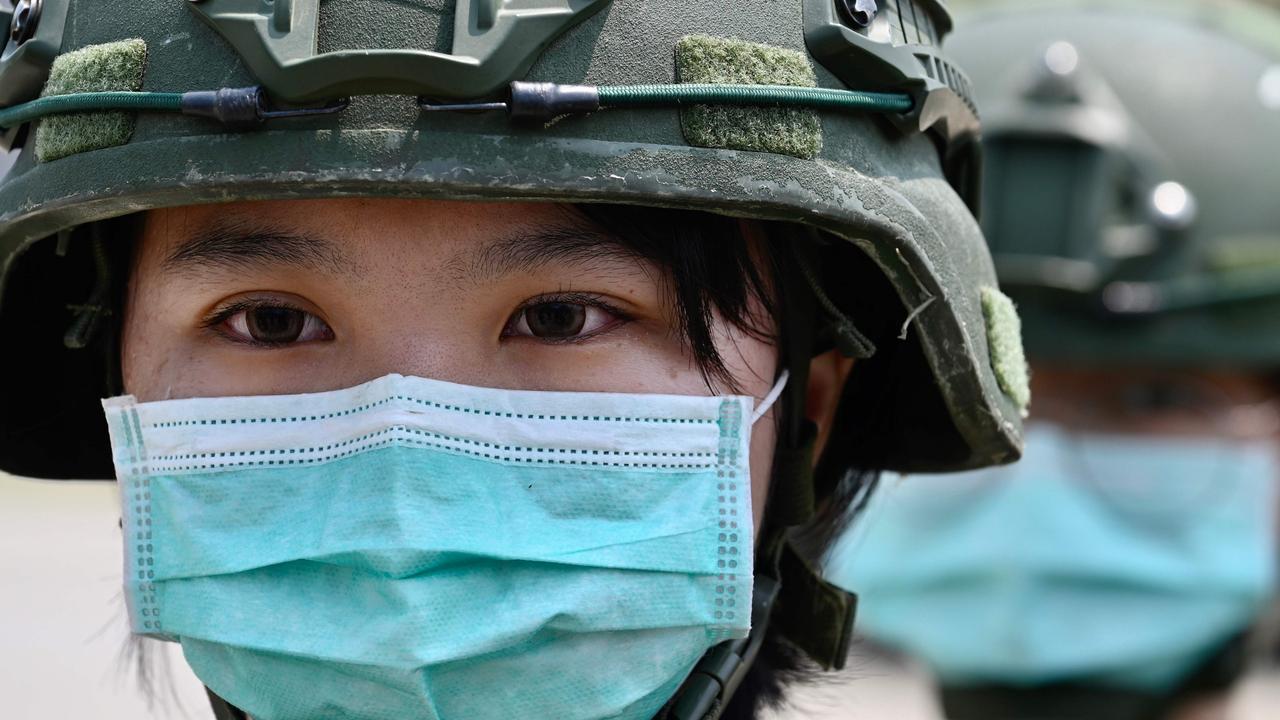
pixel 1130 176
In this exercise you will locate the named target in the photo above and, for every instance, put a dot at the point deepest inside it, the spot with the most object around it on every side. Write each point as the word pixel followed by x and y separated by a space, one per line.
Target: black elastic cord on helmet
pixel 543 101
pixel 236 108
pixel 249 107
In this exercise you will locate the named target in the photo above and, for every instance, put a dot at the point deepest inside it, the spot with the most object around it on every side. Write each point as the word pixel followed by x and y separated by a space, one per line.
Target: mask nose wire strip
pixel 772 397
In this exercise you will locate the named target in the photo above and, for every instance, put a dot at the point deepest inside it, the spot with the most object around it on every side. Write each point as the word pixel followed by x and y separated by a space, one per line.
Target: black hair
pixel 711 269
pixel 714 270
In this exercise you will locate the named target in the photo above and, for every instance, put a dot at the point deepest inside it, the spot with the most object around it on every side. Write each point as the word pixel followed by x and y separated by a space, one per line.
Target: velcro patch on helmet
pixel 724 61
pixel 1004 340
pixel 116 66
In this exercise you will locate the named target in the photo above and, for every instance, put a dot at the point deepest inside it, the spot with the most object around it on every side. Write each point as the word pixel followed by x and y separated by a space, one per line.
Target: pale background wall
pixel 63 630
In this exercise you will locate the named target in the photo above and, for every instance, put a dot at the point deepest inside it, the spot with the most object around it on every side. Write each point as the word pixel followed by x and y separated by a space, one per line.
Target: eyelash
pixel 572 298
pixel 216 319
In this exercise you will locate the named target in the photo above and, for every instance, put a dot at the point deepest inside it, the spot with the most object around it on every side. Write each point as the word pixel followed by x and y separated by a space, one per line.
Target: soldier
pixel 478 359
pixel 1117 570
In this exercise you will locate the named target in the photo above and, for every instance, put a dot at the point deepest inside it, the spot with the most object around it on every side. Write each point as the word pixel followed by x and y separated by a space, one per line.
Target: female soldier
pixel 449 397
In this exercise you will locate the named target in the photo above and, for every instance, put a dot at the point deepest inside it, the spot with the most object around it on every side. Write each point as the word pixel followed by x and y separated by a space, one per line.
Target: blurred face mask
pixel 410 548
pixel 1122 559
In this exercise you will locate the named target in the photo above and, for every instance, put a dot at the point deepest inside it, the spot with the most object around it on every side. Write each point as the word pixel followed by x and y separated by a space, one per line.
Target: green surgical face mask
pixel 417 549
pixel 1120 560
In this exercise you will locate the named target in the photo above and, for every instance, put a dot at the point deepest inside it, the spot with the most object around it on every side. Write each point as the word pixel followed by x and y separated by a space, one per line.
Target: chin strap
pixel 721 670
pixel 806 615
pixel 814 615
pixel 223 710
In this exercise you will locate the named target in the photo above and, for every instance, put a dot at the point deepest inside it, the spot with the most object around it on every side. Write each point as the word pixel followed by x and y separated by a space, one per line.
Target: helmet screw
pixel 858 12
pixel 26 18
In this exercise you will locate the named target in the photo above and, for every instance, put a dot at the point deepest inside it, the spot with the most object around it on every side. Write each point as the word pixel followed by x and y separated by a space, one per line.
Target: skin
pixel 424 288
pixel 1171 402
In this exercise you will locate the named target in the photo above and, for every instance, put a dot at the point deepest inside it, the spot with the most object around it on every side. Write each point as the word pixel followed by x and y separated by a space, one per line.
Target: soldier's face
pixel 306 296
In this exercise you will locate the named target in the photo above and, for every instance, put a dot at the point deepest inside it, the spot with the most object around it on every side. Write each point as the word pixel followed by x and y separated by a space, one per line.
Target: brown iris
pixel 555 319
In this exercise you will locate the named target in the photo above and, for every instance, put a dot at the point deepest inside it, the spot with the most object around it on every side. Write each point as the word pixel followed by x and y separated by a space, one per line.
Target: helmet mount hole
pixel 859 13
pixel 26 19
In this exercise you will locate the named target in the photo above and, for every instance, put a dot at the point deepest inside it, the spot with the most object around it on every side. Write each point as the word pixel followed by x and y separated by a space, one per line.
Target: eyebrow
pixel 240 244
pixel 525 252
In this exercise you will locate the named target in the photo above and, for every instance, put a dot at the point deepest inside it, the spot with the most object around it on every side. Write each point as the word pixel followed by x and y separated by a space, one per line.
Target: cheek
pixel 144 358
pixel 152 361
pixel 763 439
pixel 158 360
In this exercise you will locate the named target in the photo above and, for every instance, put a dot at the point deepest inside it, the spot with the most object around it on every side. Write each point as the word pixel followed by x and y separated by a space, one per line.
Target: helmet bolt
pixel 26 18
pixel 858 12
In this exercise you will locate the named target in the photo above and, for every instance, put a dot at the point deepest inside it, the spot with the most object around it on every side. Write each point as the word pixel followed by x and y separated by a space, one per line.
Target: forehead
pixel 380 243
pixel 1054 380
pixel 355 218
pixel 1161 401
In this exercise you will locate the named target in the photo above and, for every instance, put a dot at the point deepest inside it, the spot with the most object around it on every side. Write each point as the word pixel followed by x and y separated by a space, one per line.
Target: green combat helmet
pixel 842 116
pixel 1130 210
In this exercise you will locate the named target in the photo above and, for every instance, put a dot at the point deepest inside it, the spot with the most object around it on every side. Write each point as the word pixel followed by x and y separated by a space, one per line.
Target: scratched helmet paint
pixel 1131 177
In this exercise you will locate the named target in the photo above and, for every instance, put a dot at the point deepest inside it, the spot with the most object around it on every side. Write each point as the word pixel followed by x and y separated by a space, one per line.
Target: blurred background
pixel 1126 569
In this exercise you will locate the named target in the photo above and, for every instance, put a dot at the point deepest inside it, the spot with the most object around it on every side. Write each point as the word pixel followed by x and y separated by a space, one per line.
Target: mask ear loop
pixel 772 397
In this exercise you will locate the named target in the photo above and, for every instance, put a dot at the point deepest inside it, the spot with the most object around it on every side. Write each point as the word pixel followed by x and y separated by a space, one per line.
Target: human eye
pixel 269 322
pixel 564 318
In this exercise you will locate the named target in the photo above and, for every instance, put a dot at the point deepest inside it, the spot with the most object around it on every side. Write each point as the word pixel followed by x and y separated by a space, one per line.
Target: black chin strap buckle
pixel 716 677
